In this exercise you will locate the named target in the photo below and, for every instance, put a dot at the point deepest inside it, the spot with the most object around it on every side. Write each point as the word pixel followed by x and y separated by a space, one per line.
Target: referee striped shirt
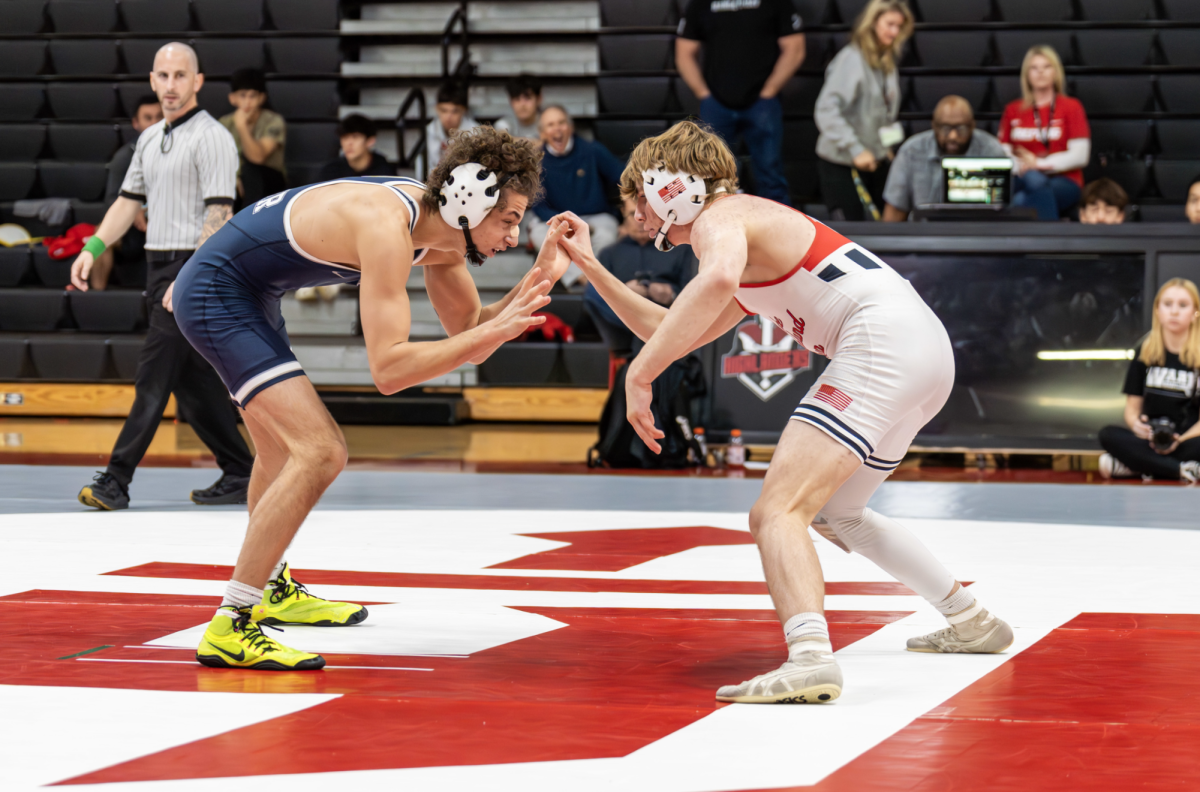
pixel 177 170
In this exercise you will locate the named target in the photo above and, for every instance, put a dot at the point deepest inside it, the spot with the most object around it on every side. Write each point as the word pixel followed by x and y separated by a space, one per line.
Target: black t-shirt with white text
pixel 1168 391
pixel 741 44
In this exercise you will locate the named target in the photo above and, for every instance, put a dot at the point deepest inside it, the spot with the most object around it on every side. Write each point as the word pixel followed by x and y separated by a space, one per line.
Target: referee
pixel 184 169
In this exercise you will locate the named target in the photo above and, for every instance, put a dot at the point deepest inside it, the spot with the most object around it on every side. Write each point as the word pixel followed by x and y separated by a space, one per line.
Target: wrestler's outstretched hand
pixel 517 316
pixel 552 259
pixel 638 396
pixel 578 242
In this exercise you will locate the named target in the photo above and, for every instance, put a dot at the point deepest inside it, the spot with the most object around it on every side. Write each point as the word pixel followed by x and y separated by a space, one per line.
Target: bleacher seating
pixel 156 16
pixel 82 16
pixel 22 17
pixel 21 101
pixel 227 15
pixel 22 58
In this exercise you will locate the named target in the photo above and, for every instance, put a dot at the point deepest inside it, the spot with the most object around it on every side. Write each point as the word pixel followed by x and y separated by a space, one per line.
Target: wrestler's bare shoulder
pixel 776 236
pixel 353 202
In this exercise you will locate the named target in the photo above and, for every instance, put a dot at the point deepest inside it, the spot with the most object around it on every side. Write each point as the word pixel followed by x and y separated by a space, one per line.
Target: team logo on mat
pixel 764 358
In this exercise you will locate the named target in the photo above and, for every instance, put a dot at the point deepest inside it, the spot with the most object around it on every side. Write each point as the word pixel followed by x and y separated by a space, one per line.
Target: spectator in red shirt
pixel 1046 133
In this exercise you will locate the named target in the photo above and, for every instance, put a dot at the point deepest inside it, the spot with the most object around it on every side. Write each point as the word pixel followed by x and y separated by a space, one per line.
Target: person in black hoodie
pixel 1159 388
pixel 356 133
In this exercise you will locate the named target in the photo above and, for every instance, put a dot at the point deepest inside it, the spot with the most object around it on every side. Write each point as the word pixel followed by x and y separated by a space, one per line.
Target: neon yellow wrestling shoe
pixel 287 601
pixel 234 640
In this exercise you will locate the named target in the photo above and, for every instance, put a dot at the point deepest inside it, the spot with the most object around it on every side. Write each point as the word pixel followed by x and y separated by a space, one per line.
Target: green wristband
pixel 95 245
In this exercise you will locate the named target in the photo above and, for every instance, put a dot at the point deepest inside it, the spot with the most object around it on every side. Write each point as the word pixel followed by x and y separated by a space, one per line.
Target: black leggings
pixel 1137 454
pixel 840 194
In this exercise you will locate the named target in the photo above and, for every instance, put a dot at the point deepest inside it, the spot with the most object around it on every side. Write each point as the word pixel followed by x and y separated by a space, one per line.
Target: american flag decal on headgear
pixel 671 190
pixel 833 397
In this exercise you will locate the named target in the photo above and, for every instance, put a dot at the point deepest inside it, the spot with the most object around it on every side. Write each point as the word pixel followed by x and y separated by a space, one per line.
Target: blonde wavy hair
pixel 1154 345
pixel 863 35
pixel 687 147
pixel 1060 74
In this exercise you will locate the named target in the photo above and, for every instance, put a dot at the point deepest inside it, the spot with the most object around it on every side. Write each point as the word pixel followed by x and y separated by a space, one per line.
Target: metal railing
pixel 463 69
pixel 411 158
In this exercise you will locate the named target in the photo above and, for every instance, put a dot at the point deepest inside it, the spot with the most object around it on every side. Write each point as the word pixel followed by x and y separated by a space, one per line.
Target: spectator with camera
pixel 1161 402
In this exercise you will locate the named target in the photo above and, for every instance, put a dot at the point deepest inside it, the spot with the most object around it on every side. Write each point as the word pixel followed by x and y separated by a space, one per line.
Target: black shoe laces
pixel 106 480
pixel 282 590
pixel 252 632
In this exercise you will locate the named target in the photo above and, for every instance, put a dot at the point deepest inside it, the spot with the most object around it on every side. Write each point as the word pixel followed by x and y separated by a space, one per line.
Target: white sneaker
pixel 984 634
pixel 1189 472
pixel 811 677
pixel 1111 467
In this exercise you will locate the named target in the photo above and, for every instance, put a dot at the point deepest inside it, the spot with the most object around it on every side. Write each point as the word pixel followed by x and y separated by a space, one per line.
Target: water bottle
pixel 735 455
pixel 702 441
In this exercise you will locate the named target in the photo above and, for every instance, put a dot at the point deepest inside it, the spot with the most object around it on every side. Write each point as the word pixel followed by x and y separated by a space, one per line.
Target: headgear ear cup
pixel 469 193
pixel 676 197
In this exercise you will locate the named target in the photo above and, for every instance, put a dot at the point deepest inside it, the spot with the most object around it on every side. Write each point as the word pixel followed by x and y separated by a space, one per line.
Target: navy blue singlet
pixel 227 296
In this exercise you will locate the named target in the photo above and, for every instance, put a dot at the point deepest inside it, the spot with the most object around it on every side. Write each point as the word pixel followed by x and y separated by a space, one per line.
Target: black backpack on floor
pixel 674 391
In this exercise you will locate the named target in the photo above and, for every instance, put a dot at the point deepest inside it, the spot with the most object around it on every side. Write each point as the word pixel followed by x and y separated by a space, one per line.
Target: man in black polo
pixel 184 171
pixel 751 49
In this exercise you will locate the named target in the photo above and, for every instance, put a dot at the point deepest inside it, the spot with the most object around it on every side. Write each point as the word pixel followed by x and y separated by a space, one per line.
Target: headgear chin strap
pixel 470 192
pixel 677 198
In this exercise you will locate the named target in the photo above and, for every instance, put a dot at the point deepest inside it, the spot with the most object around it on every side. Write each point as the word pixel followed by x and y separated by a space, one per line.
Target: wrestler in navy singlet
pixel 227 298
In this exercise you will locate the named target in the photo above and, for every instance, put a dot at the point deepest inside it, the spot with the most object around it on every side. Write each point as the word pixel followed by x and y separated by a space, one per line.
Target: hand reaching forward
pixel 517 316
pixel 638 396
pixel 552 259
pixel 578 242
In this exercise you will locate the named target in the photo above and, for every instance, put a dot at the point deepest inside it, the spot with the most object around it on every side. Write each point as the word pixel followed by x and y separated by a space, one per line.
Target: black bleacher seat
pixel 131 92
pixel 620 137
pixel 1179 45
pixel 1130 174
pixel 225 56
pixel 848 10
pixel 948 11
pixel 1036 10
pixel 567 307
pixel 22 17
pixel 638 13
pixel 214 97
pixel 1013 44
pixel 228 15
pixel 687 101
pixel 51 273
pixel 84 142
pixel 308 15
pixel 300 174
pixel 1162 213
pixel 114 311
pixel 587 364
pixel 16 180
pixel 305 55
pixel 21 101
pixel 14 357
pixel 633 95
pixel 649 52
pixel 1182 10
pixel 311 99
pixel 82 180
pixel 520 363
pixel 69 357
pixel 73 57
pixel 125 351
pixel 83 16
pixel 1112 94
pixel 139 54
pixel 1180 92
pixel 812 12
pixel 1174 176
pixel 16 267
pixel 22 58
pixel 82 101
pixel 1178 139
pixel 156 16
pixel 1117 10
pixel 1114 48
pixel 1119 139
pixel 21 142
pixel 799 95
pixel 88 211
pixel 799 140
pixel 311 142
pixel 819 49
pixel 927 91
pixel 952 49
pixel 32 310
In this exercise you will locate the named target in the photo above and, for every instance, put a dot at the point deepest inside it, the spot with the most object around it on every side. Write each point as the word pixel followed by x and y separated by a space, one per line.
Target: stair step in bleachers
pixel 156 16
pixel 82 16
pixel 639 13
pixel 84 142
pixel 513 16
pixel 22 58
pixel 21 101
pixel 487 100
pixel 69 357
pixel 304 55
pixel 82 180
pixel 16 267
pixel 1115 48
pixel 1174 176
pixel 22 17
pixel 32 310
pixel 1036 10
pixel 400 18
pixel 954 11
pixel 113 311
pixel 85 101
pixel 228 15
pixel 425 60
pixel 645 52
pixel 16 180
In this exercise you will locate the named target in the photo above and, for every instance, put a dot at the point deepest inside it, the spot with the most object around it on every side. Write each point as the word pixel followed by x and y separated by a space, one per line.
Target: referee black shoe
pixel 228 489
pixel 105 493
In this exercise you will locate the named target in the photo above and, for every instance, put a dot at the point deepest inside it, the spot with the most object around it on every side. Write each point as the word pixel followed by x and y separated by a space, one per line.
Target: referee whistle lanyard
pixel 1043 133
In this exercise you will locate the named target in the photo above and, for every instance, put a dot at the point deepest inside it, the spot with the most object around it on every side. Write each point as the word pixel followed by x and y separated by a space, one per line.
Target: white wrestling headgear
pixel 470 192
pixel 677 198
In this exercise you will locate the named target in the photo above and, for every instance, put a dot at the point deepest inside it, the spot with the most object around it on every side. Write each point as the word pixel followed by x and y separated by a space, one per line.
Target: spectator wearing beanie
pixel 1103 203
pixel 356 134
pixel 260 134
pixel 857 110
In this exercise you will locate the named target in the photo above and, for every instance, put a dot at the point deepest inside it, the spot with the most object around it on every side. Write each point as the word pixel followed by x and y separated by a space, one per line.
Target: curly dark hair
pixel 517 161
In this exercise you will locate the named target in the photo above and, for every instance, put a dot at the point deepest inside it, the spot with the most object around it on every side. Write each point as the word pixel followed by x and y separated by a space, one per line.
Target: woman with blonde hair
pixel 1161 402
pixel 1046 133
pixel 857 109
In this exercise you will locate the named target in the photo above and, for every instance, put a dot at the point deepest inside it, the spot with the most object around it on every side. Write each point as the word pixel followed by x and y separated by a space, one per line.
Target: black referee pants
pixel 1139 457
pixel 168 364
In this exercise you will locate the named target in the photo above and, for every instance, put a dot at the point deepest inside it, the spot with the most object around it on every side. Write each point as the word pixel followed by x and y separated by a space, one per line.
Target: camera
pixel 1162 433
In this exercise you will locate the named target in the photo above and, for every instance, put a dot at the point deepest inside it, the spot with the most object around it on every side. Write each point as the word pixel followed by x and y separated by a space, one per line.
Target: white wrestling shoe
pixel 982 634
pixel 1111 468
pixel 811 677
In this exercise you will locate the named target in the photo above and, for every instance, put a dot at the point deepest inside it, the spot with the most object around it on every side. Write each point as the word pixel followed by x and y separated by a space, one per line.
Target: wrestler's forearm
pixel 410 363
pixel 639 314
pixel 691 315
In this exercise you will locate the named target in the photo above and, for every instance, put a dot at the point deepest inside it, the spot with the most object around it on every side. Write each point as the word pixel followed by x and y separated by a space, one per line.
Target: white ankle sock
pixel 278 570
pixel 959 607
pixel 239 595
pixel 806 628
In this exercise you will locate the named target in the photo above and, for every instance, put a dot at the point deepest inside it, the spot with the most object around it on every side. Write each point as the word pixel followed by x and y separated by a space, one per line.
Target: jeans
pixel 761 126
pixel 1050 195
pixel 1136 453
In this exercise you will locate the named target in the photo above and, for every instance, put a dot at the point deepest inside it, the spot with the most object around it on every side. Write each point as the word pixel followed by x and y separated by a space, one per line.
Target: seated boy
pixel 356 134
